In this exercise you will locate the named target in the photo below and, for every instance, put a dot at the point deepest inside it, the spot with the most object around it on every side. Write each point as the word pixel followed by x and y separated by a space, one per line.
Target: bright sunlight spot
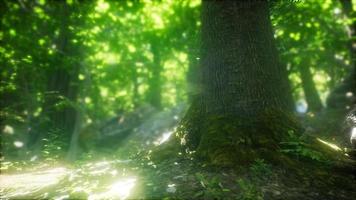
pixel 353 134
pixel 119 190
pixel 18 144
pixel 8 130
pixel 331 145
pixel 165 136
pixel 102 6
pixel 171 188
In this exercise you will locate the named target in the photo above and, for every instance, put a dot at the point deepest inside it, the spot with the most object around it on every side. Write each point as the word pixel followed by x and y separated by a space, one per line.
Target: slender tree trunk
pixel 310 92
pixel 135 85
pixel 245 94
pixel 154 83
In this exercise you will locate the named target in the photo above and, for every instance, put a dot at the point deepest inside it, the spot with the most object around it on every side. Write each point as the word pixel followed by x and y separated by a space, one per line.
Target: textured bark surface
pixel 241 72
pixel 310 92
pixel 243 110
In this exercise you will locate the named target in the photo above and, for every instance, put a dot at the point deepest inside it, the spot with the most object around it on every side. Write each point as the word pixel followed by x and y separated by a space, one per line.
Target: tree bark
pixel 241 73
pixel 245 97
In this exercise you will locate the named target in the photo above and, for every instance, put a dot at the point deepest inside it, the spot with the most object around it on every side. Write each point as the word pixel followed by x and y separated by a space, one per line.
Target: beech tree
pixel 245 98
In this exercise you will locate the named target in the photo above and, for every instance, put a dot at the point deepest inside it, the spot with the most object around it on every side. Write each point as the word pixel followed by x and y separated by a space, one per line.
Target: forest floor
pixel 124 175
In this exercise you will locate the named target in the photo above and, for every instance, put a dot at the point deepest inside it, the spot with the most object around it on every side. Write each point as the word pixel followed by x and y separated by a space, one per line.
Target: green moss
pixel 226 140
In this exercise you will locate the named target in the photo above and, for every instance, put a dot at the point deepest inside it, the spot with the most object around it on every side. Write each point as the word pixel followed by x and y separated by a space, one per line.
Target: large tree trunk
pixel 245 98
pixel 241 72
pixel 310 92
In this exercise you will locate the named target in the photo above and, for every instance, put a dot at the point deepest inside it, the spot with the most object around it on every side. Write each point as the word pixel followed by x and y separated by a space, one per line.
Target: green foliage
pixel 96 57
pixel 249 191
pixel 212 187
pixel 102 55
pixel 298 147
pixel 312 33
pixel 53 145
pixel 261 169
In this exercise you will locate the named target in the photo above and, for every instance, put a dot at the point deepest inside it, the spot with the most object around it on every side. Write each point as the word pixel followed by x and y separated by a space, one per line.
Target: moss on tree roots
pixel 225 140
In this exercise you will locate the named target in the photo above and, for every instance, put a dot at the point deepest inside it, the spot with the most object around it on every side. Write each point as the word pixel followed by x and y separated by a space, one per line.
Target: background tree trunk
pixel 154 82
pixel 310 92
pixel 135 85
pixel 62 81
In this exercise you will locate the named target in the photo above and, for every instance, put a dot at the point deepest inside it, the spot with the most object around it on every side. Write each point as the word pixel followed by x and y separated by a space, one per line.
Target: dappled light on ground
pixel 15 185
pixel 112 179
pixel 119 190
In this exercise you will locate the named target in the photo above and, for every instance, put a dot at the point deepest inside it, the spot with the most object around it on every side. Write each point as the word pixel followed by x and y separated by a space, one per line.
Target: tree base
pixel 225 140
pixel 230 141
